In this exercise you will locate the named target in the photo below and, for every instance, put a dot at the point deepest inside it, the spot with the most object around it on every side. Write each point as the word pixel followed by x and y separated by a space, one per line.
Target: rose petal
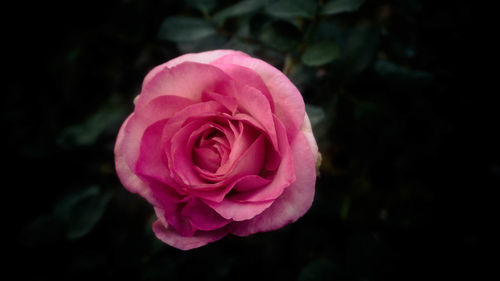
pixel 242 211
pixel 251 101
pixel 203 217
pixel 158 109
pixel 171 215
pixel 295 200
pixel 128 178
pixel 308 133
pixel 207 158
pixel 282 179
pixel 150 162
pixel 227 101
pixel 203 57
pixel 174 239
pixel 289 105
pixel 187 80
pixel 237 211
pixel 247 76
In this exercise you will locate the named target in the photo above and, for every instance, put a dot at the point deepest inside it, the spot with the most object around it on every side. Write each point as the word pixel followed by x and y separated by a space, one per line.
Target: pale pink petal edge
pixel 127 177
pixel 203 57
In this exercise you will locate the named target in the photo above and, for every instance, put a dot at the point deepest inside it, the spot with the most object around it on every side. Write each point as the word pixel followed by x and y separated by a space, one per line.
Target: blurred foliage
pixel 391 92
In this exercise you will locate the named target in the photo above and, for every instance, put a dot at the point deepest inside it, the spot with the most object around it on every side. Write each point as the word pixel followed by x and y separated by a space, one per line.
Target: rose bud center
pixel 210 150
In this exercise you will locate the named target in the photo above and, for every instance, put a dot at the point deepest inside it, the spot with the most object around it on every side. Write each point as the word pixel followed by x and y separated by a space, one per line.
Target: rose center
pixel 208 150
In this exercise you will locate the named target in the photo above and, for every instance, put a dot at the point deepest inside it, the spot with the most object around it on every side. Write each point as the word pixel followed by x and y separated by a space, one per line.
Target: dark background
pixel 399 110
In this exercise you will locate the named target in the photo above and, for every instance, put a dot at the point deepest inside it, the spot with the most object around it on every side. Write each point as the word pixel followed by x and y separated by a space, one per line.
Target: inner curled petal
pixel 207 158
pixel 210 150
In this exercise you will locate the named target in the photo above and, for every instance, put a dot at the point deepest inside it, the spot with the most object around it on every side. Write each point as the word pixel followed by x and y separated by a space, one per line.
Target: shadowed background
pixel 390 88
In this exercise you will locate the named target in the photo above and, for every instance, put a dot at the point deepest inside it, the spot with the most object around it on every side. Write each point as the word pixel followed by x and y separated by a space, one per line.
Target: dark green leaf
pixel 402 77
pixel 279 35
pixel 85 213
pixel 185 29
pixel 318 270
pixel 339 6
pixel 215 41
pixel 43 231
pixel 360 49
pixel 238 9
pixel 98 123
pixel 205 6
pixel 243 46
pixel 292 8
pixel 316 114
pixel 63 207
pixel 320 53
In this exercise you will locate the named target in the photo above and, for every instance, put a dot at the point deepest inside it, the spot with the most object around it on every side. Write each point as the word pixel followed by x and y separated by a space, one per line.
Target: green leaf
pixel 316 114
pixel 238 9
pixel 320 53
pixel 43 231
pixel 82 210
pixel 292 8
pixel 318 270
pixel 401 77
pixel 215 41
pixel 340 6
pixel 360 48
pixel 63 207
pixel 98 123
pixel 185 29
pixel 279 35
pixel 204 6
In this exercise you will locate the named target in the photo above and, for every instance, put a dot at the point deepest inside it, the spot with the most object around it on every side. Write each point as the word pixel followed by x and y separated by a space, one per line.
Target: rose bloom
pixel 219 143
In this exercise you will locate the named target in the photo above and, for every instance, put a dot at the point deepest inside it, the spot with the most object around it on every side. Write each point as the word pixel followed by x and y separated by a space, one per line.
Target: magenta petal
pixel 202 216
pixel 283 177
pixel 288 102
pixel 158 109
pixel 170 214
pixel 252 160
pixel 207 158
pixel 150 162
pixel 174 239
pixel 295 200
pixel 187 80
pixel 250 182
pixel 237 211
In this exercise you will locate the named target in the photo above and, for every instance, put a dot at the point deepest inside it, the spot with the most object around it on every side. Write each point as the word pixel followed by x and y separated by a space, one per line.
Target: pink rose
pixel 218 143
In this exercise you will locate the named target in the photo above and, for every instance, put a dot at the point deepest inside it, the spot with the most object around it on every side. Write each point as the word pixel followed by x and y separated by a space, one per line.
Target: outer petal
pixel 289 105
pixel 239 211
pixel 174 239
pixel 203 57
pixel 128 178
pixel 203 217
pixel 158 109
pixel 248 77
pixel 187 80
pixel 150 162
pixel 295 200
pixel 308 133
